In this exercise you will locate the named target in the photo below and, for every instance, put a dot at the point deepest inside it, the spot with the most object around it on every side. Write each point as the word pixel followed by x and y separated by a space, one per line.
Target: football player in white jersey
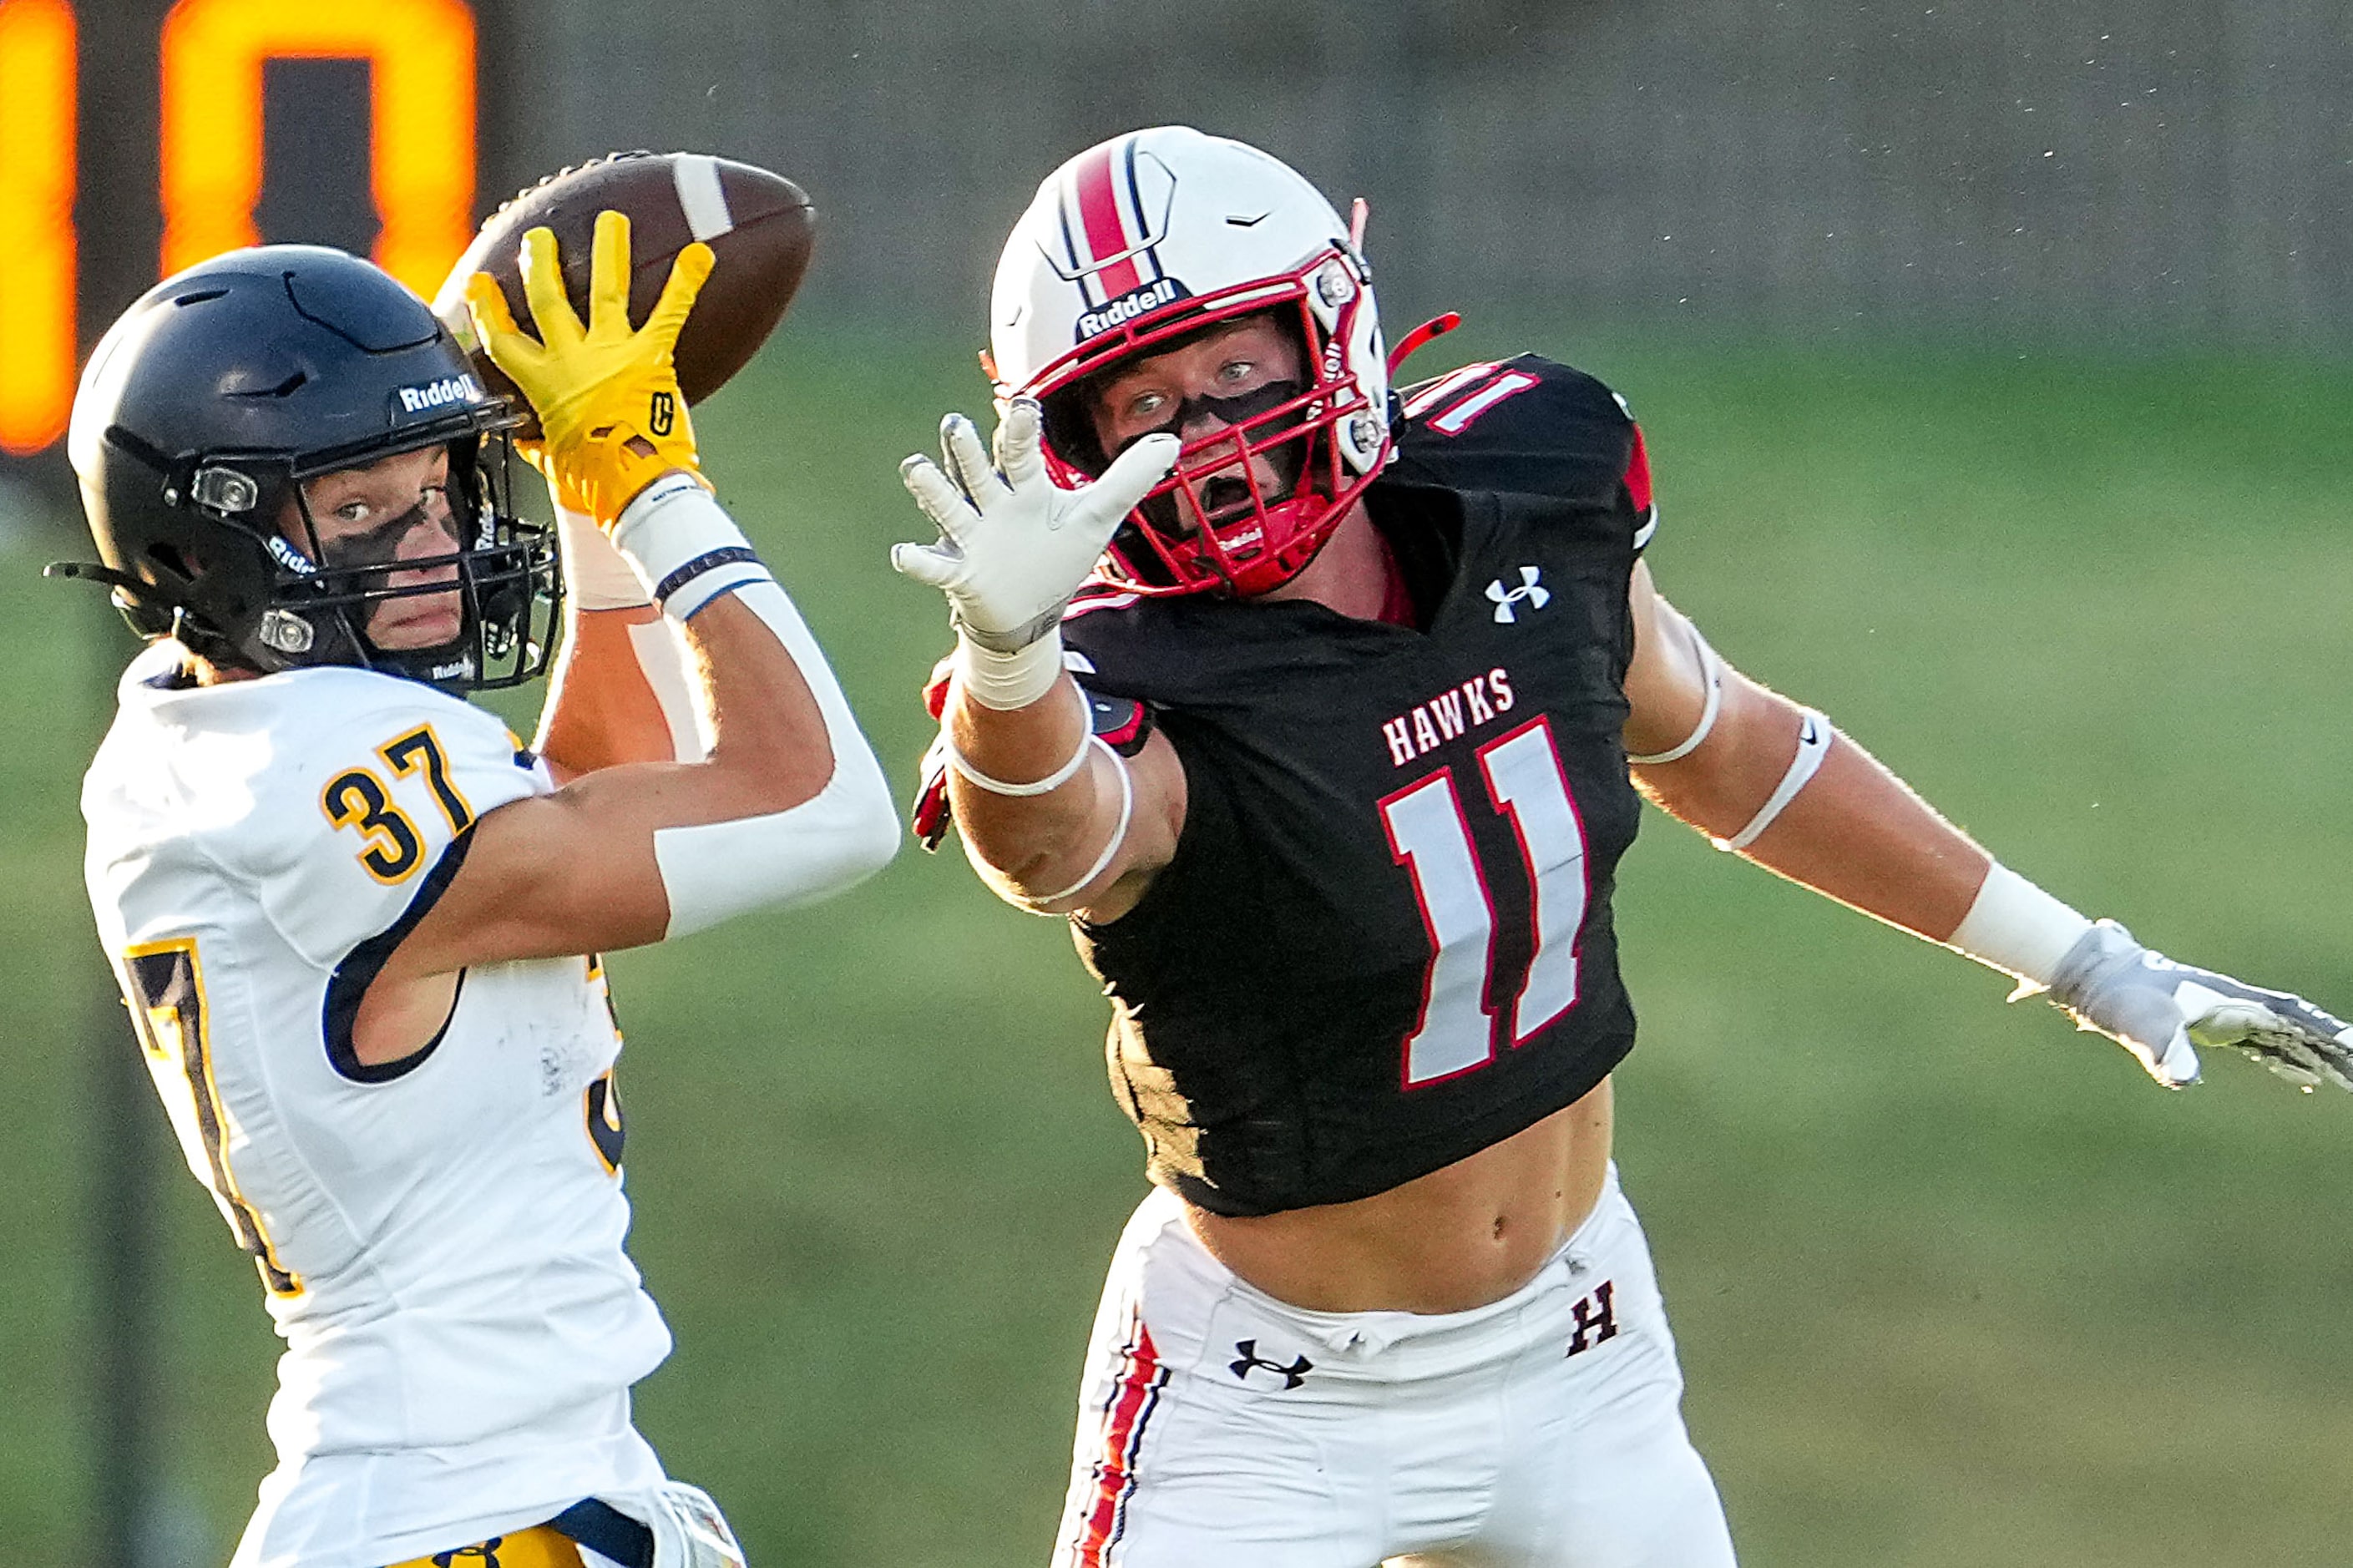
pixel 1366 685
pixel 357 921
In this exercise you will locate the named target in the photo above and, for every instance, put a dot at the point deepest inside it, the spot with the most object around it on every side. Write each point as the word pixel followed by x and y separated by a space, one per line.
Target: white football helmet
pixel 1135 244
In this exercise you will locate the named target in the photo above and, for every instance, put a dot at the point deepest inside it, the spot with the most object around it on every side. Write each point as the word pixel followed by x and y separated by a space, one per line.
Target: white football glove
pixel 689 1529
pixel 1015 546
pixel 2159 1011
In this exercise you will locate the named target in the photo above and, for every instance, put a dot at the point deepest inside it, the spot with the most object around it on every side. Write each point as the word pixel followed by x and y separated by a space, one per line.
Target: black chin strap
pixel 91 572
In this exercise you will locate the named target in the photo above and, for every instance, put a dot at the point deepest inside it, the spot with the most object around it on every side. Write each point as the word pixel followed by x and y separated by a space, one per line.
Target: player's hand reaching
pixel 1014 545
pixel 611 418
pixel 2160 1011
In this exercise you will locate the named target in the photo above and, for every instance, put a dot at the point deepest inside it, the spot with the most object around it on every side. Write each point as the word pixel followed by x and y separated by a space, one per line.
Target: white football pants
pixel 1221 1428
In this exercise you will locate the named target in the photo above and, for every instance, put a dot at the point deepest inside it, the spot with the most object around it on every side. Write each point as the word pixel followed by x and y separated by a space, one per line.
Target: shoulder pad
pixel 1525 425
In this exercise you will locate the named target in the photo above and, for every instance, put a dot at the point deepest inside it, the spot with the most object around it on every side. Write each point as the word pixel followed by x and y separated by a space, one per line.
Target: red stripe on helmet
pixel 1099 215
pixel 1131 1398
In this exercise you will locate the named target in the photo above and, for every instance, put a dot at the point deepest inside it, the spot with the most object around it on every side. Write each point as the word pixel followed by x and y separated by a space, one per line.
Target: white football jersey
pixel 441 1241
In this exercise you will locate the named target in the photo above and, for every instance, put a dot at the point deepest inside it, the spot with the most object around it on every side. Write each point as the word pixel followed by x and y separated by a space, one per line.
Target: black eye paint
pixel 379 546
pixel 1234 410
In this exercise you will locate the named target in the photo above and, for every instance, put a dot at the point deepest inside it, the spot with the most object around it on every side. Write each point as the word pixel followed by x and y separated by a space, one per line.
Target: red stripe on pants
pixel 1131 1406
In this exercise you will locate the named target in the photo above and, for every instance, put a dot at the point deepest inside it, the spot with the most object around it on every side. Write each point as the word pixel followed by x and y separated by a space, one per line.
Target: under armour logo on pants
pixel 1293 1376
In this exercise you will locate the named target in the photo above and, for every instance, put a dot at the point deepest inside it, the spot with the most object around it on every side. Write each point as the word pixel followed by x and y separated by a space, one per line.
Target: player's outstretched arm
pixel 789 803
pixel 1772 780
pixel 1053 819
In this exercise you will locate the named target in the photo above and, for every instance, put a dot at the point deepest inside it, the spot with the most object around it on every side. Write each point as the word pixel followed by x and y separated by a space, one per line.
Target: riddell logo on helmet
pixel 286 555
pixel 438 394
pixel 1129 305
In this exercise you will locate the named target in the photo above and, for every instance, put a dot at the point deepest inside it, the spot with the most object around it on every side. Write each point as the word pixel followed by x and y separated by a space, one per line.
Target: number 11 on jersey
pixel 1430 838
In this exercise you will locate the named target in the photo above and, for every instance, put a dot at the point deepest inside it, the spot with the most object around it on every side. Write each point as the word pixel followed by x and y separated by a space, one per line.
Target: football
pixel 759 226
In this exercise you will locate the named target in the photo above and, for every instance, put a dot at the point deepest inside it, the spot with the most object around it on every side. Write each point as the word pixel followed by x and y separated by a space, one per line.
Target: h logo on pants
pixel 1597 1319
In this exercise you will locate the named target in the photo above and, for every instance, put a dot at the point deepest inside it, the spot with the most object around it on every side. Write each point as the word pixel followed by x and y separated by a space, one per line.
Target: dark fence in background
pixel 2166 169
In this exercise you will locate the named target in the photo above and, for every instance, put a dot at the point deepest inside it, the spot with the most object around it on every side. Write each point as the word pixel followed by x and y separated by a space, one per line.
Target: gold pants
pixel 538 1547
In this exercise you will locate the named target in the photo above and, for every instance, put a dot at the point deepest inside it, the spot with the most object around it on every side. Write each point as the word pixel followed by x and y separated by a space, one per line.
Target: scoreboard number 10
pixel 421 55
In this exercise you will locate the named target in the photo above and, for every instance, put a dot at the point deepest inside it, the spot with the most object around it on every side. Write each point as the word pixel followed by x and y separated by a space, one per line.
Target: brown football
pixel 759 226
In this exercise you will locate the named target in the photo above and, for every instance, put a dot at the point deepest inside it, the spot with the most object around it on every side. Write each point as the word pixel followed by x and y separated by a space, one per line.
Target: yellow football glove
pixel 611 418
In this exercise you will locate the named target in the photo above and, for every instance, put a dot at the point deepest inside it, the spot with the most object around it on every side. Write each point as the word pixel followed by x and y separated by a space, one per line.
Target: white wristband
pixel 685 549
pixel 594 575
pixel 2017 928
pixel 1009 681
pixel 1814 735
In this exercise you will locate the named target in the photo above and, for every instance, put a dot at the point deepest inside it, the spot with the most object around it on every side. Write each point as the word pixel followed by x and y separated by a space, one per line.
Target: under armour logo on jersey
pixel 486 1554
pixel 1596 1317
pixel 1293 1376
pixel 1507 600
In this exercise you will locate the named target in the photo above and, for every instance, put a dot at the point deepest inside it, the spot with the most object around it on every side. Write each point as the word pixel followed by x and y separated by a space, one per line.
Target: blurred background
pixel 1994 358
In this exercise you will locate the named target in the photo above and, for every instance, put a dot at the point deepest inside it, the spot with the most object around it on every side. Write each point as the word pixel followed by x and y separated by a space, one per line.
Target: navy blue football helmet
pixel 219 392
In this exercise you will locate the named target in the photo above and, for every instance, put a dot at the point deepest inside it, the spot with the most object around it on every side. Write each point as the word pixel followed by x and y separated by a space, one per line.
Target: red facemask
pixel 1217 522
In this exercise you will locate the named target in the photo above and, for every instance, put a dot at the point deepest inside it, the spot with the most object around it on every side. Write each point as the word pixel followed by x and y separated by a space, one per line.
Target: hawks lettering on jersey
pixel 1384 939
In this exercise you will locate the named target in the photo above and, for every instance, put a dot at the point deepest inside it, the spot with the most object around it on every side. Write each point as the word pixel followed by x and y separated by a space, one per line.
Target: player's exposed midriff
pixel 1461 1236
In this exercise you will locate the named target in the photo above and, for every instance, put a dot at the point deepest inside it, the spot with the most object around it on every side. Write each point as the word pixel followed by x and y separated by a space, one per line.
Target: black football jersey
pixel 1384 942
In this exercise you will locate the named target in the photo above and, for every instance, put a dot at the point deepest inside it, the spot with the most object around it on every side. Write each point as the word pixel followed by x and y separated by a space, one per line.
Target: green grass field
pixel 1954 1285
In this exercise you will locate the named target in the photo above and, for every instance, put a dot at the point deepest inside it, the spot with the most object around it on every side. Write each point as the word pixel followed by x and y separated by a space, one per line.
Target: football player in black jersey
pixel 1365 687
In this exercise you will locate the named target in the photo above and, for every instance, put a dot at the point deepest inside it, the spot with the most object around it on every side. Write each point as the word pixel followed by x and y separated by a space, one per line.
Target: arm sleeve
pixel 839 836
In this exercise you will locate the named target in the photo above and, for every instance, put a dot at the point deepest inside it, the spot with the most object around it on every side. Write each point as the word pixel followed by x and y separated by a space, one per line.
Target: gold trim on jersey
pixel 400 755
pixel 601 1113
pixel 538 1547
pixel 161 998
pixel 391 849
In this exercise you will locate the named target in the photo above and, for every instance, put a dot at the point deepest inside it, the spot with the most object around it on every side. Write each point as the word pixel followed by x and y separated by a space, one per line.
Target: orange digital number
pixel 421 139
pixel 36 232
